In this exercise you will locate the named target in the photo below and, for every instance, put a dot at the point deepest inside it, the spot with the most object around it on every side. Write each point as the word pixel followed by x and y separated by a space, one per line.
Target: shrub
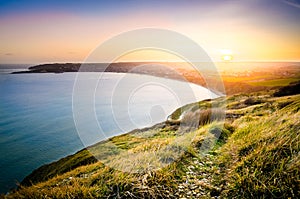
pixel 202 117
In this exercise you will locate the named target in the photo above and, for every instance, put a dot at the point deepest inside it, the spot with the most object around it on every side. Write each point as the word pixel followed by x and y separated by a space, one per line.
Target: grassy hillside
pixel 257 155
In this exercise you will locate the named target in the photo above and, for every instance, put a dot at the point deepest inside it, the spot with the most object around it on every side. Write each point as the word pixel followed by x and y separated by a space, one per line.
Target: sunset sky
pixel 67 31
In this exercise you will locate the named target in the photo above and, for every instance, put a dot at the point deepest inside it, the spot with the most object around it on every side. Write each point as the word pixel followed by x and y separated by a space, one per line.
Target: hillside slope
pixel 257 155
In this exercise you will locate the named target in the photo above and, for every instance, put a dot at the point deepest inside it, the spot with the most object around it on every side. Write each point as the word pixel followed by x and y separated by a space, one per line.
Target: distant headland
pixel 167 70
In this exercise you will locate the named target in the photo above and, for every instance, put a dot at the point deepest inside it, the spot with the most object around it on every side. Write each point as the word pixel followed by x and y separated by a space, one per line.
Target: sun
pixel 227 57
pixel 226 54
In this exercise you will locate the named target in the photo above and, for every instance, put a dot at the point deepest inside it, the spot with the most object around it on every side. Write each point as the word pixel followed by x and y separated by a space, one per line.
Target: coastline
pixel 88 157
pixel 194 173
pixel 167 70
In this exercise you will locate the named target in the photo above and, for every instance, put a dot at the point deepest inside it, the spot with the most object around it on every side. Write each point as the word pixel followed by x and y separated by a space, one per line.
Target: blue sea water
pixel 39 113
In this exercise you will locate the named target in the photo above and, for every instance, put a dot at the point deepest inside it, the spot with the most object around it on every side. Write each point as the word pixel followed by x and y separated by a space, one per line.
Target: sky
pixel 68 31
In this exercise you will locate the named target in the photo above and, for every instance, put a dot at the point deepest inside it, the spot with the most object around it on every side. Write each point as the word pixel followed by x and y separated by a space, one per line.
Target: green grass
pixel 273 82
pixel 245 79
pixel 256 156
pixel 262 157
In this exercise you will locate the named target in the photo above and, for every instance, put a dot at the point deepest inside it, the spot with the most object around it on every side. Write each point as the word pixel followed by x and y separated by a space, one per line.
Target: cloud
pixel 293 3
pixel 8 54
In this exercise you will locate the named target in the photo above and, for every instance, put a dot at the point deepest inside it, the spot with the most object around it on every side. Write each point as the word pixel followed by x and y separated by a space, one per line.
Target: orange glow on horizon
pixel 150 55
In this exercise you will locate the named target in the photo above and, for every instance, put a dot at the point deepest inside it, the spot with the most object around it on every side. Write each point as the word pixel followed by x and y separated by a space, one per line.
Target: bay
pixel 41 120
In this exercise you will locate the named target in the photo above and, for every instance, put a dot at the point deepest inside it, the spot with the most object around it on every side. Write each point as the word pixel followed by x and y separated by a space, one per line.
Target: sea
pixel 44 117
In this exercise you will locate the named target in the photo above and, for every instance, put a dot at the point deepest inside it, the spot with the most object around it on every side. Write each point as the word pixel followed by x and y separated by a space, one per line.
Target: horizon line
pixel 155 61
